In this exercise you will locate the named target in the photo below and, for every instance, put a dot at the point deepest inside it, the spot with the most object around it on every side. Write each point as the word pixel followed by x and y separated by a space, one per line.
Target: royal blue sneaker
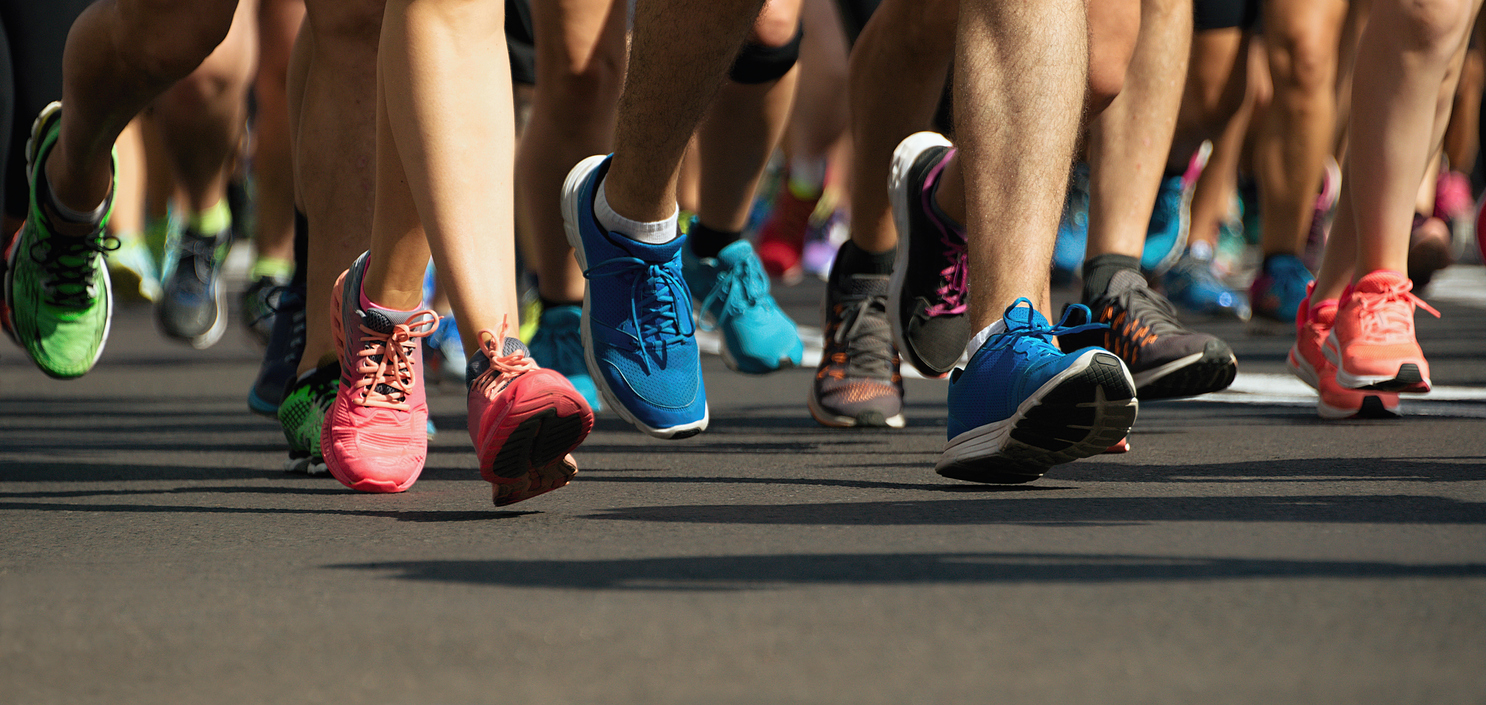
pixel 639 340
pixel 1021 405
pixel 1194 287
pixel 1166 235
pixel 558 345
pixel 1073 229
pixel 757 336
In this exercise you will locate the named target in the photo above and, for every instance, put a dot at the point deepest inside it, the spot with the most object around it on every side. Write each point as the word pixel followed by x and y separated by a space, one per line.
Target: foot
pixel 375 436
pixel 1278 290
pixel 930 285
pixel 857 383
pixel 1166 359
pixel 639 338
pixel 306 402
pixel 1166 234
pixel 193 306
pixel 557 344
pixel 1194 287
pixel 58 300
pixel 524 421
pixel 260 303
pixel 757 336
pixel 282 355
pixel 1372 342
pixel 781 239
pixel 1312 325
pixel 1021 406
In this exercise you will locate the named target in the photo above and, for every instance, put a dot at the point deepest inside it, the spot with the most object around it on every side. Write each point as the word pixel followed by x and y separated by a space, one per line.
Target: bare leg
pixel 279 22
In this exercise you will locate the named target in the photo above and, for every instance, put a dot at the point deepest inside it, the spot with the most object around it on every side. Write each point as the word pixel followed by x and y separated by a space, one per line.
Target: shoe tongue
pixel 382 320
pixel 481 362
pixel 1124 280
pixel 655 254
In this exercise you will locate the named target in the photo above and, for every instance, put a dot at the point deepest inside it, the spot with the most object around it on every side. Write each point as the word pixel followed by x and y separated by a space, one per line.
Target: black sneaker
pixel 1165 359
pixel 930 285
pixel 260 301
pixel 281 357
pixel 857 383
pixel 193 305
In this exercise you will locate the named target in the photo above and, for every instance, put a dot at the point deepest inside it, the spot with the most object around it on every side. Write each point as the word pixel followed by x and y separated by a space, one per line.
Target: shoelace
pixel 656 294
pixel 861 357
pixel 1027 326
pixel 503 368
pixel 385 362
pixel 954 278
pixel 67 268
pixel 1384 313
pixel 740 288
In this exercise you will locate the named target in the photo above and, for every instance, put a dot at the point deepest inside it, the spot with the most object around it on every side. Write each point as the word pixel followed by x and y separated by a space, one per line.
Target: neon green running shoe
pixel 57 291
pixel 303 412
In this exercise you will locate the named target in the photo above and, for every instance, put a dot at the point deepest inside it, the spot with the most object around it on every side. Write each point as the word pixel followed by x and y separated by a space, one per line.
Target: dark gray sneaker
pixel 1165 359
pixel 857 383
pixel 193 305
pixel 930 285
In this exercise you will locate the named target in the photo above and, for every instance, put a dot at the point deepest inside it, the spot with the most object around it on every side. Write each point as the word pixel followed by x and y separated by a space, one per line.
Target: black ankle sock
pixel 851 259
pixel 706 242
pixel 1098 270
pixel 551 303
pixel 301 249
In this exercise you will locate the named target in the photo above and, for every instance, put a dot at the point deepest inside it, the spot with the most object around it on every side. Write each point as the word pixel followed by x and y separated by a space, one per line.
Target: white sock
pixel 657 233
pixel 979 339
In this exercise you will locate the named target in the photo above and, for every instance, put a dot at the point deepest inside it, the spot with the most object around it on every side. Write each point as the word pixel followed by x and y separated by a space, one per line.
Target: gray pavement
pixel 1245 552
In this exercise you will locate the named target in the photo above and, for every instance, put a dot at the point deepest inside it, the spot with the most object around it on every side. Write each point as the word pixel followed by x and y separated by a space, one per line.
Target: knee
pixel 1114 28
pixel 170 38
pixel 1434 26
pixel 1303 59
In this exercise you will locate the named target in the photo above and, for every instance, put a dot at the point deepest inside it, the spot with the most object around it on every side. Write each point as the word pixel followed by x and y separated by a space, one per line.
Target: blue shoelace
pixel 655 296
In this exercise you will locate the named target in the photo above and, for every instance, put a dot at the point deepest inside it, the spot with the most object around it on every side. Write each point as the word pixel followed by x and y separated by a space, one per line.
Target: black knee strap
pixel 758 63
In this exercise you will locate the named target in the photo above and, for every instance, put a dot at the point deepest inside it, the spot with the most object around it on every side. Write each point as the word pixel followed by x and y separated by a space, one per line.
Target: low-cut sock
pixel 658 232
pixel 708 242
pixel 553 303
pixel 807 178
pixel 216 220
pixel 1099 269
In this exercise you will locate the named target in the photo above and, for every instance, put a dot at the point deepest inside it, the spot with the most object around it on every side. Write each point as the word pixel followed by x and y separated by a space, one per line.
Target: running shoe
pixel 639 338
pixel 1276 293
pixel 857 383
pixel 557 345
pixel 282 355
pixel 1193 286
pixel 1021 406
pixel 781 239
pixel 1166 359
pixel 1430 249
pixel 375 435
pixel 302 414
pixel 823 241
pixel 1372 342
pixel 930 286
pixel 1308 364
pixel 1323 215
pixel 193 307
pixel 58 299
pixel 1166 234
pixel 260 301
pixel 757 336
pixel 1073 229
pixel 131 271
pixel 443 352
pixel 523 419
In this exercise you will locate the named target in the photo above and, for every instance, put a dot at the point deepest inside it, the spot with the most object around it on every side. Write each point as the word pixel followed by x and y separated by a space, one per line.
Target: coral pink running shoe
pixel 1372 342
pixel 375 436
pixel 524 420
pixel 1306 361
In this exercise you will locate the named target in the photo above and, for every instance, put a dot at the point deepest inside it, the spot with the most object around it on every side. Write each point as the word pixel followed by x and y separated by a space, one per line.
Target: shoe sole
pixel 1301 369
pixel 904 157
pixel 32 146
pixel 1211 370
pixel 1408 380
pixel 572 186
pixel 1373 407
pixel 868 419
pixel 532 459
pixel 261 407
pixel 1082 412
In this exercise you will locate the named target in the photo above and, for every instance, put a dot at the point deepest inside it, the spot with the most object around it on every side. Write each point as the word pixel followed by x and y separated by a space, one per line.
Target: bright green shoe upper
pixel 58 287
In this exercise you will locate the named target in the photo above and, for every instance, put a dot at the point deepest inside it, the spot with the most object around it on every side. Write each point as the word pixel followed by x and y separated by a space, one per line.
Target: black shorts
pixel 1224 14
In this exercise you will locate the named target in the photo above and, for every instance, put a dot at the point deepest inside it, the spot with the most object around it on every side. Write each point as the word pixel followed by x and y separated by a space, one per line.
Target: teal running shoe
pixel 58 297
pixel 557 345
pixel 1282 284
pixel 757 336
pixel 1021 405
pixel 1073 228
pixel 1166 236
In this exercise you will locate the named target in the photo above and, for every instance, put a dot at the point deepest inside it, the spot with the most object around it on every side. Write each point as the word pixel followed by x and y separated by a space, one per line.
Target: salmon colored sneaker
pixel 375 436
pixel 1306 361
pixel 524 420
pixel 1372 342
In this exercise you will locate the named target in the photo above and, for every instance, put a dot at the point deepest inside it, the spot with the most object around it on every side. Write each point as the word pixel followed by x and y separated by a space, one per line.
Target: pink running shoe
pixel 1452 196
pixel 1306 362
pixel 524 420
pixel 781 239
pixel 1372 342
pixel 375 436
pixel 1323 215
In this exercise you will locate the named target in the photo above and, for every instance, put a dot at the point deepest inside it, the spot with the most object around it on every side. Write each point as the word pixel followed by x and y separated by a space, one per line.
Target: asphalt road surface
pixel 151 551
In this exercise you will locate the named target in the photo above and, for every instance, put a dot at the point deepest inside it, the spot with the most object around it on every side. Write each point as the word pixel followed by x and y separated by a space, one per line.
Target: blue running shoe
pixel 757 336
pixel 1021 405
pixel 1280 287
pixel 1073 229
pixel 1193 286
pixel 639 340
pixel 1166 236
pixel 443 353
pixel 557 345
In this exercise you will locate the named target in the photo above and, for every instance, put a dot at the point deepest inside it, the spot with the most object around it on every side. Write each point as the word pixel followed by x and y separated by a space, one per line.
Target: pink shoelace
pixel 385 362
pixel 956 276
pixel 503 368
